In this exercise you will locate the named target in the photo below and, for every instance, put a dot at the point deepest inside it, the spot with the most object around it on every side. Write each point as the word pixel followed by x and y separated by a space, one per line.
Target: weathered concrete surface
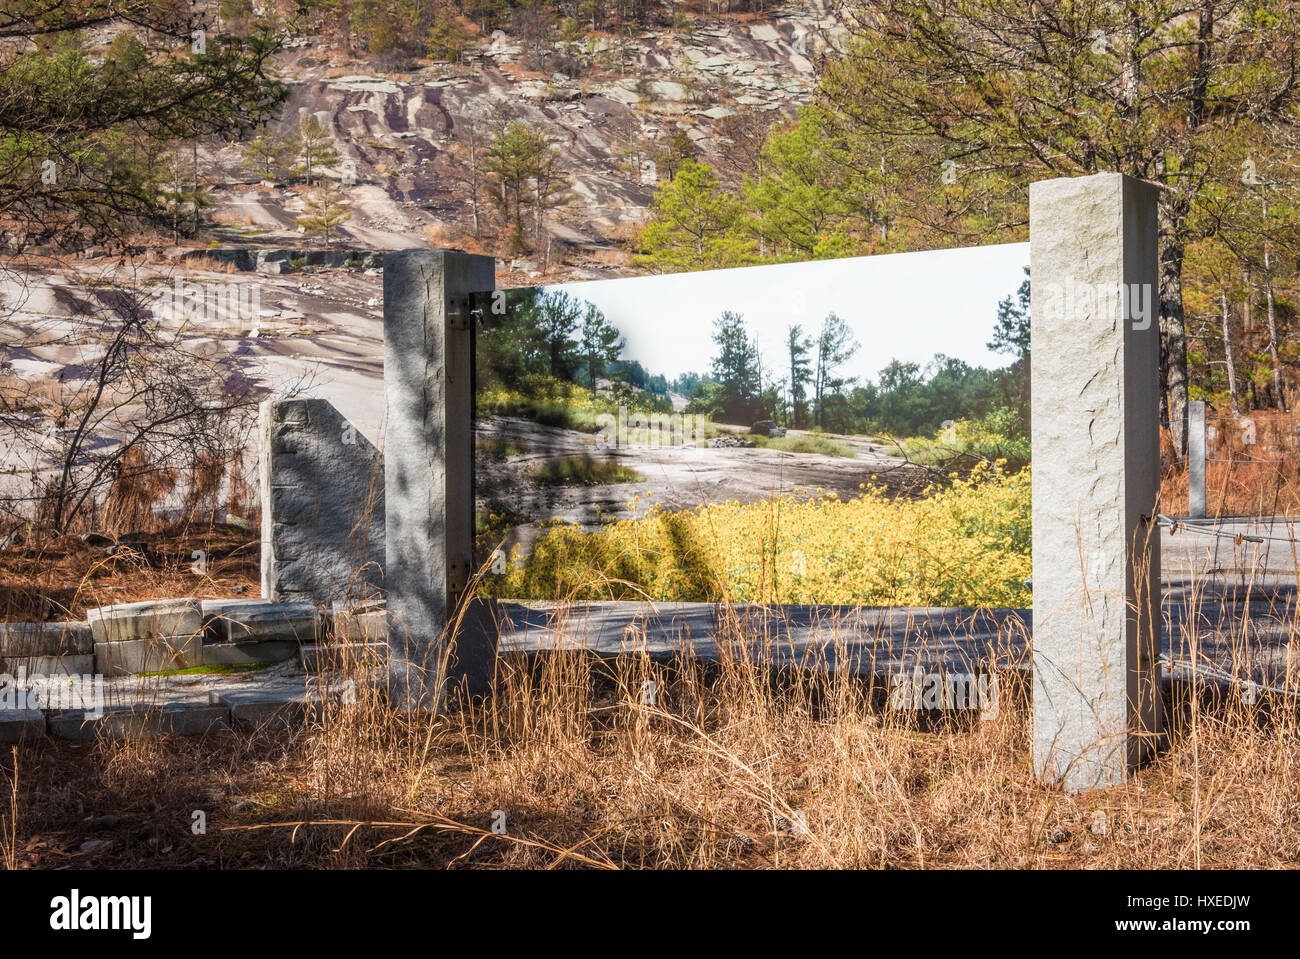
pixel 260 621
pixel 153 655
pixel 862 640
pixel 247 654
pixel 320 658
pixel 48 665
pixel 138 721
pixel 322 505
pixel 360 627
pixel 1196 459
pixel 45 639
pixel 1096 477
pixel 429 457
pixel 146 620
pixel 18 725
pixel 254 708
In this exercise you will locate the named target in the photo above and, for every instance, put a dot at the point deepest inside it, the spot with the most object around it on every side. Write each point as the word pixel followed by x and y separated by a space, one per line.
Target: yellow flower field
pixel 966 544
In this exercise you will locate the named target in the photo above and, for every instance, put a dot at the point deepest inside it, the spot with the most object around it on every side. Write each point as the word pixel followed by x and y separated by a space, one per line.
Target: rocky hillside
pixel 401 132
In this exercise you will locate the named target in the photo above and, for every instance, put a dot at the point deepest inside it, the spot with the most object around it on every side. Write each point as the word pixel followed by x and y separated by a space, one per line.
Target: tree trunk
pixel 1227 353
pixel 1173 323
pixel 1278 396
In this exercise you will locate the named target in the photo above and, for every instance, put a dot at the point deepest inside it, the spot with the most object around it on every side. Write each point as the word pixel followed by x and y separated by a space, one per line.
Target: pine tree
pixel 325 209
pixel 694 225
pixel 315 146
pixel 601 344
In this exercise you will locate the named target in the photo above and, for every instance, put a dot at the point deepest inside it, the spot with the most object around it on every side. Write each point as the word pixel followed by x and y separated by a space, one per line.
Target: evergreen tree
pixel 324 211
pixel 694 225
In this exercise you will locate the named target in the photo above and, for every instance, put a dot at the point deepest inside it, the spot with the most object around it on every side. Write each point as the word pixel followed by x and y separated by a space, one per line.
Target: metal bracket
pixel 463 310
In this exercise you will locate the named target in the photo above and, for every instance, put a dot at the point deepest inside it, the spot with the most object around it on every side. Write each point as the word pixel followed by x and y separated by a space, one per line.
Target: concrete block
pixel 19 725
pixel 48 665
pixel 259 621
pixel 322 505
pixel 1196 459
pixel 139 721
pixel 1096 454
pixel 246 654
pixel 147 620
pixel 254 708
pixel 360 628
pixel 156 655
pixel 45 639
pixel 319 658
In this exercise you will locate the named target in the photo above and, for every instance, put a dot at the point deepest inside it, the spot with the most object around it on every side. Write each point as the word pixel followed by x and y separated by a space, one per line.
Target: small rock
pixel 730 441
pixel 97 539
pixel 94 845
pixel 107 821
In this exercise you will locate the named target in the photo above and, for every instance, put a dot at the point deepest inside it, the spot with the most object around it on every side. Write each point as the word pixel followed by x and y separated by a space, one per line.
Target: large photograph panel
pixel 737 434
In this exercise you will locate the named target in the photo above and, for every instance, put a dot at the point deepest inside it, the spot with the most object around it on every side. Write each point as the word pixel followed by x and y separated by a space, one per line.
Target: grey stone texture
pixel 1196 459
pixel 429 296
pixel 254 708
pixel 154 655
pixel 146 620
pixel 138 722
pixel 342 656
pixel 45 639
pixel 260 621
pixel 322 505
pixel 19 725
pixel 246 654
pixel 68 665
pixel 1096 477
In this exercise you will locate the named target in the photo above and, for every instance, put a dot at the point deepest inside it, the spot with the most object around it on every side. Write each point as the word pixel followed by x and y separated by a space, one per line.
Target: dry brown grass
pixel 720 771
pixel 58 579
pixel 1256 478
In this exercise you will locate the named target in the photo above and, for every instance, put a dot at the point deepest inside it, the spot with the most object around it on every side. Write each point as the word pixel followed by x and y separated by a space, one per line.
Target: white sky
pixel 905 306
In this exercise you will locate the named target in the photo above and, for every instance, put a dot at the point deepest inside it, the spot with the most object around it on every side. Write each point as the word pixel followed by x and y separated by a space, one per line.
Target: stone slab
pixel 429 298
pixel 259 620
pixel 155 655
pixel 1096 453
pixel 319 658
pixel 45 639
pixel 48 665
pixel 147 620
pixel 138 721
pixel 21 725
pixel 254 708
pixel 360 627
pixel 246 654
pixel 322 485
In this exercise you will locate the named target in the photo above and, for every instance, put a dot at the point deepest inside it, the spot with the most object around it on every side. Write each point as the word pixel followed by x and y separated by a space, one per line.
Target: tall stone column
pixel 429 296
pixel 1196 459
pixel 1096 456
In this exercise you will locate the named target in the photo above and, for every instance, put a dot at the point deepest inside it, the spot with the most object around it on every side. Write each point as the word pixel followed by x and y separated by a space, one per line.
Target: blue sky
pixel 905 306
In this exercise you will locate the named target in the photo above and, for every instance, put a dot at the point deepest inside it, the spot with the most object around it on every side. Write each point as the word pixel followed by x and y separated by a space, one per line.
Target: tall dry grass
pixel 740 764
pixel 633 761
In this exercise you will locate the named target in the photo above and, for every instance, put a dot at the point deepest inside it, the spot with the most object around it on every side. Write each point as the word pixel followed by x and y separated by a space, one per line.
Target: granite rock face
pixel 322 506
